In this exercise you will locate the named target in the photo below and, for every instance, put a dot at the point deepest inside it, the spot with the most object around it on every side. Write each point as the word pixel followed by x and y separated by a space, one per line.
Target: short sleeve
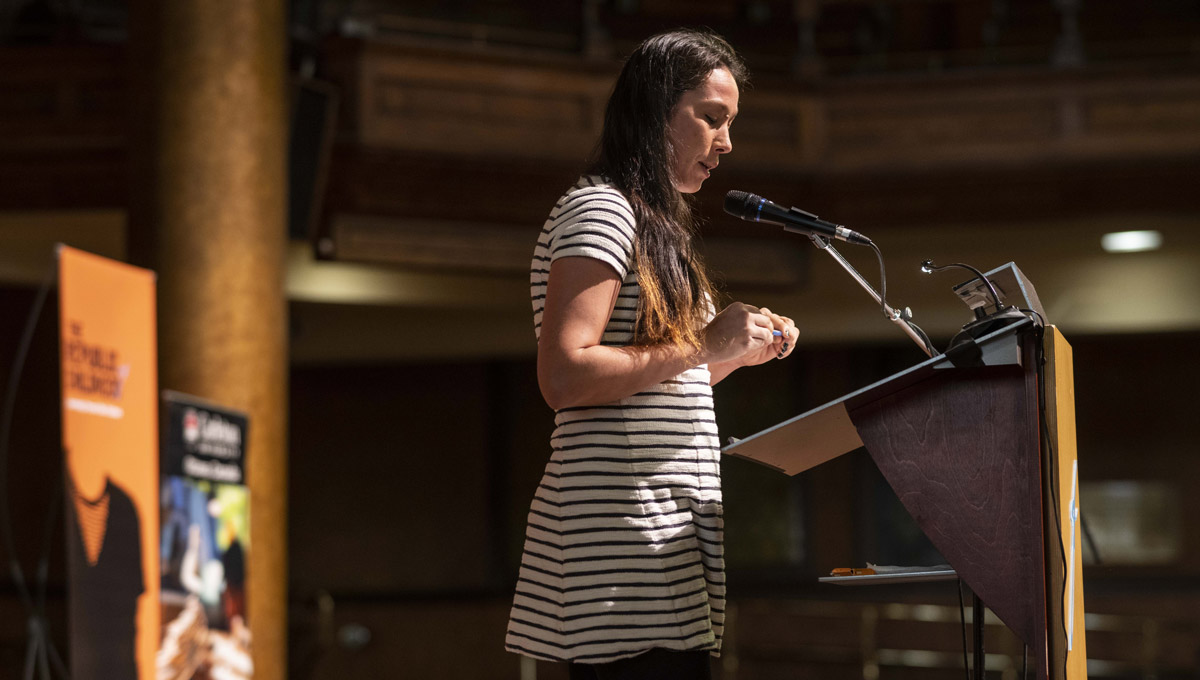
pixel 595 222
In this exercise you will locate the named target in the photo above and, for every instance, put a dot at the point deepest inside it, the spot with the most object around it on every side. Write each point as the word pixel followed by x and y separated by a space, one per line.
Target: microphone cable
pixel 883 305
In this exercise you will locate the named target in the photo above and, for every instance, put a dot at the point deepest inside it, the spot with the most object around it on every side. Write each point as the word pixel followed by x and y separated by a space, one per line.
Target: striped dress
pixel 623 547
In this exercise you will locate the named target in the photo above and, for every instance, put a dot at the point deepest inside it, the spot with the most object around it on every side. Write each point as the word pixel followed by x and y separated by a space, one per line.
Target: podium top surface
pixel 826 432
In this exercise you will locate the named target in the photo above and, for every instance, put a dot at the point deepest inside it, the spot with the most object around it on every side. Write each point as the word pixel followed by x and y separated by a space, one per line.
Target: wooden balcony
pixel 979 165
pixel 430 102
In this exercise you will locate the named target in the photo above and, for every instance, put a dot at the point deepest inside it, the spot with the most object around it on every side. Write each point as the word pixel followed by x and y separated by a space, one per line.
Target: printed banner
pixel 110 442
pixel 205 519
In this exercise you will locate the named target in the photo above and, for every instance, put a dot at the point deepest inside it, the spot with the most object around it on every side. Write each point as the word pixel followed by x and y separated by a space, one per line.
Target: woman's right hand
pixel 739 329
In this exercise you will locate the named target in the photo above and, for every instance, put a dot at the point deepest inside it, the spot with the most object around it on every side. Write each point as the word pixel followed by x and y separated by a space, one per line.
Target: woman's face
pixel 699 129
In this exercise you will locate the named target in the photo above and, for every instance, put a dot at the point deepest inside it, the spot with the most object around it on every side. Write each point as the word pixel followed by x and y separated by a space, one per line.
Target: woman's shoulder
pixel 593 219
pixel 593 200
pixel 594 189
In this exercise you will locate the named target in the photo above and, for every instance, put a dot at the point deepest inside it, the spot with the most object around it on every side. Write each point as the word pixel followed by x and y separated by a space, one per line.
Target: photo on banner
pixel 107 341
pixel 204 507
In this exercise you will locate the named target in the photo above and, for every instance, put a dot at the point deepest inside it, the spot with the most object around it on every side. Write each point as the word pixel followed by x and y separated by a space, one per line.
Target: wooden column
pixel 208 212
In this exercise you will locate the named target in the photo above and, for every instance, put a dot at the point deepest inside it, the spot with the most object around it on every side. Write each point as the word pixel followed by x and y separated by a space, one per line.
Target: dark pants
pixel 656 664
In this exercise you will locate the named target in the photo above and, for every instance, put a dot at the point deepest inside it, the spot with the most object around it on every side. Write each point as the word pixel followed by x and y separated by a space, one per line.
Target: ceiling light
pixel 1131 241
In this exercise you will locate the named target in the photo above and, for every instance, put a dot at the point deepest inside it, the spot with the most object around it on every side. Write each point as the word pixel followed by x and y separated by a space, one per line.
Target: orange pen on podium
pixel 852 571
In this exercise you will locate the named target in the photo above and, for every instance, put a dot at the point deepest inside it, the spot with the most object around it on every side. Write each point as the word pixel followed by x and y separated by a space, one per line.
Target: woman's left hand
pixel 783 344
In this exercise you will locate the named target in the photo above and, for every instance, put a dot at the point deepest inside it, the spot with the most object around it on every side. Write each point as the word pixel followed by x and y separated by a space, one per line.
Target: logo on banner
pixel 95 375
pixel 191 427
pixel 213 446
pixel 205 443
pixel 208 433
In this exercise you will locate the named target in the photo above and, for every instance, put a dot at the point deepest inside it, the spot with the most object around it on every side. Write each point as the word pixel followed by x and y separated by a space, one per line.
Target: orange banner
pixel 110 440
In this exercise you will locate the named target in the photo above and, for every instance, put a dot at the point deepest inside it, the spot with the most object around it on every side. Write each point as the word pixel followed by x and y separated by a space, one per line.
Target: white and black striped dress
pixel 623 549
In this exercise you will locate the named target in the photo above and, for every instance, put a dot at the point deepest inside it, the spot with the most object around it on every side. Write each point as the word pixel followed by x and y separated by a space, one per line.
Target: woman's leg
pixel 656 664
pixel 581 671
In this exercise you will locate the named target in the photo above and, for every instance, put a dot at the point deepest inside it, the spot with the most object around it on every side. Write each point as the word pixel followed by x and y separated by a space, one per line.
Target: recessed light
pixel 1131 241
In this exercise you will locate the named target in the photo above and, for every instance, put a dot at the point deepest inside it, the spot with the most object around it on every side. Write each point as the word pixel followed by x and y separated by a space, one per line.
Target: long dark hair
pixel 635 154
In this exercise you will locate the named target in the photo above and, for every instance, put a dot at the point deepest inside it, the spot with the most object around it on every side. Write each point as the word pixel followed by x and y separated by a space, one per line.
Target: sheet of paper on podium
pixel 826 432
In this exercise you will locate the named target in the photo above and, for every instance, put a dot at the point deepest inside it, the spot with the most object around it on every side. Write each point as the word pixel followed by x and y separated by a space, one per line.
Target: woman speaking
pixel 622 574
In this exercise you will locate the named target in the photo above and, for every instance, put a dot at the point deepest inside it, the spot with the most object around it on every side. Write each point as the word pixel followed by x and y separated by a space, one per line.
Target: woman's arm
pixel 719 372
pixel 574 369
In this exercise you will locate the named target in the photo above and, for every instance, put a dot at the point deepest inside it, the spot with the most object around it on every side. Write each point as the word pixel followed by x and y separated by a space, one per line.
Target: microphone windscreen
pixel 740 203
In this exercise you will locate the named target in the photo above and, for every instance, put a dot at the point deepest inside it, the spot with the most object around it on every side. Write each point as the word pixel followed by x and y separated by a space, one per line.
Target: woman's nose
pixel 724 142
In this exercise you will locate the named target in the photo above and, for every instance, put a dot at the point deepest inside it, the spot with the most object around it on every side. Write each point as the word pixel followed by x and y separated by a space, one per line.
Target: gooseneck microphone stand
pixel 903 319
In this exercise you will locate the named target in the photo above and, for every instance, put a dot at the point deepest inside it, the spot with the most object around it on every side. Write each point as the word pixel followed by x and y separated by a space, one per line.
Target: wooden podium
pixel 980 448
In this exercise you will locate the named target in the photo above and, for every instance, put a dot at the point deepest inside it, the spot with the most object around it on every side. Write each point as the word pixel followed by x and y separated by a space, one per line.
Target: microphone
pixel 755 208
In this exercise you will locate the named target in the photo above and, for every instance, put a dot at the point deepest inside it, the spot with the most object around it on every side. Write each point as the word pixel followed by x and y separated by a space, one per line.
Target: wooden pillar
pixel 207 212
